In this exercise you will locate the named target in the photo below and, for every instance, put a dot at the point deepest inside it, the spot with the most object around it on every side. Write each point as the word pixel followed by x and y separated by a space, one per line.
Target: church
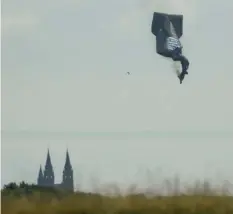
pixel 46 177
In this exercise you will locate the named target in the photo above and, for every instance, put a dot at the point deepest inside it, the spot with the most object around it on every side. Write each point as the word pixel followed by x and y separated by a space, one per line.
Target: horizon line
pixel 132 133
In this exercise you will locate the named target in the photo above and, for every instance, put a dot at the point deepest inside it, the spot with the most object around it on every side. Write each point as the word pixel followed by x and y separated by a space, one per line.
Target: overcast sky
pixel 64 67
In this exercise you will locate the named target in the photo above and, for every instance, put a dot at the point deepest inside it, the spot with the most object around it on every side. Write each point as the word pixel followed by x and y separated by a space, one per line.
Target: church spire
pixel 40 177
pixel 67 163
pixel 67 181
pixel 48 164
pixel 40 172
pixel 48 172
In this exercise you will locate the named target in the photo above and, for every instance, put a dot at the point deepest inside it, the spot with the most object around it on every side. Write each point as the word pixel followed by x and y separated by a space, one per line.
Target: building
pixel 46 178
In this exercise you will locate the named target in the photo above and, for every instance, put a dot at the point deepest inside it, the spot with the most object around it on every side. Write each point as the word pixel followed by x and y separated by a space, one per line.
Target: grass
pixel 47 202
pixel 75 204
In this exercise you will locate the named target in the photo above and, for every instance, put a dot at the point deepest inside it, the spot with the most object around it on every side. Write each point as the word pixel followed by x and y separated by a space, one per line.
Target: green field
pixel 49 201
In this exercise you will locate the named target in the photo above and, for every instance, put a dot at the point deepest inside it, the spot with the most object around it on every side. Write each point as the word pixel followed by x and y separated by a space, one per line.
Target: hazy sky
pixel 64 67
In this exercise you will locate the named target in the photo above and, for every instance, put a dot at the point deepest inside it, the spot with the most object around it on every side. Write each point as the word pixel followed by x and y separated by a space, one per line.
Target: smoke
pixel 176 68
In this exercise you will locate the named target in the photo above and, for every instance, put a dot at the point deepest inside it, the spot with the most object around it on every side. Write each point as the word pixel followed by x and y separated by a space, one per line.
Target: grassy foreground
pixel 52 202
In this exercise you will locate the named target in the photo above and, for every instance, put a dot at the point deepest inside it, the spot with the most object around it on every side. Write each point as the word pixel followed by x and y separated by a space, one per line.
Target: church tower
pixel 40 179
pixel 68 181
pixel 48 172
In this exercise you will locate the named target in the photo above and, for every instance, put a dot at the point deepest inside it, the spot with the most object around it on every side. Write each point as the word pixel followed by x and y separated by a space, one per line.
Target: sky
pixel 64 67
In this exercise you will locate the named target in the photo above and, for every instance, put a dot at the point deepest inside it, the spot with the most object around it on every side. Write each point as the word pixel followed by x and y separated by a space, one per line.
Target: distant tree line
pixel 24 189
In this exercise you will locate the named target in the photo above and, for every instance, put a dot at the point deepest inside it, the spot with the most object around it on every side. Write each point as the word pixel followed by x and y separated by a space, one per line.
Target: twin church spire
pixel 47 177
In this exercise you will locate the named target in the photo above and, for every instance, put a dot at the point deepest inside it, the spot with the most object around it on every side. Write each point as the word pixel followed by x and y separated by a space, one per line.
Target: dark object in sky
pixel 164 26
pixel 181 76
pixel 168 28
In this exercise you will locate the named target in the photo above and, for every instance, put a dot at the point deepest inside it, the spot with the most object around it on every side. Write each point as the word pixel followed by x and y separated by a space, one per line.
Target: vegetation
pixel 31 199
